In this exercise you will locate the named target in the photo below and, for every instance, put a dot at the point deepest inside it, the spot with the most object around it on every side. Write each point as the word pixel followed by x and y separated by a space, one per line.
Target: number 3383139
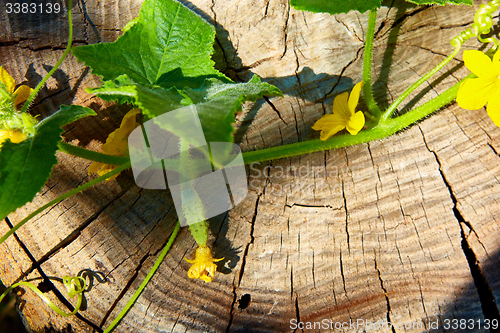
pixel 32 8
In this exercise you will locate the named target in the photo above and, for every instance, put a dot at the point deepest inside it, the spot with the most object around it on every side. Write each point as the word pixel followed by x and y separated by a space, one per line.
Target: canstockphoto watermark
pixel 303 180
pixel 366 325
pixel 359 324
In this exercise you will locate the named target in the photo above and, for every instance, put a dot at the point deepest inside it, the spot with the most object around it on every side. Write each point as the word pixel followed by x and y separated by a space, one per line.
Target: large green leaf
pixel 335 7
pixel 26 166
pixel 216 101
pixel 163 62
pixel 168 45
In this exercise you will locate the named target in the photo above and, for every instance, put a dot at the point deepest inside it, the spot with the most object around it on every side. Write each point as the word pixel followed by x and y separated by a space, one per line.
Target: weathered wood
pixel 378 231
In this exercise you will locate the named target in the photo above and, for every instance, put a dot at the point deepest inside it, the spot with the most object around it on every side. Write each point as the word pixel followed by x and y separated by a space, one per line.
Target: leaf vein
pixel 168 41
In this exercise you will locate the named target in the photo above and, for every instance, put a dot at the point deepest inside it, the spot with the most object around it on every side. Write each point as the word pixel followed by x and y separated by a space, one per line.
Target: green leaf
pixel 169 45
pixel 163 62
pixel 442 2
pixel 335 7
pixel 216 101
pixel 26 166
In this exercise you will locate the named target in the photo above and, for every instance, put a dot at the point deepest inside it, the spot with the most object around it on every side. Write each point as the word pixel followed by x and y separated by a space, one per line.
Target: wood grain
pixel 403 230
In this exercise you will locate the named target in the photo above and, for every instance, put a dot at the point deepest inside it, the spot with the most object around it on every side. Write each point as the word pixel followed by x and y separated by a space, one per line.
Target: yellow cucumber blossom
pixel 14 126
pixel 116 144
pixel 20 94
pixel 203 264
pixel 344 115
pixel 14 136
pixel 474 93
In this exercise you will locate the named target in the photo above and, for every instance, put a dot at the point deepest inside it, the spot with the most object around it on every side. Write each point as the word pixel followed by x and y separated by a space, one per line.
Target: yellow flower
pixel 21 94
pixel 203 264
pixel 475 93
pixel 14 136
pixel 116 144
pixel 344 115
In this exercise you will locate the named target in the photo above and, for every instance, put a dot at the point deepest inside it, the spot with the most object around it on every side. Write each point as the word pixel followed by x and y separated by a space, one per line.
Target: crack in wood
pixel 267 8
pixel 342 273
pixel 295 119
pixel 346 218
pixel 274 109
pixel 342 72
pixel 486 297
pixel 214 13
pixel 297 311
pixel 351 32
pixel 312 206
pixel 245 253
pixel 285 31
pixel 312 270
pixel 386 295
pixel 38 48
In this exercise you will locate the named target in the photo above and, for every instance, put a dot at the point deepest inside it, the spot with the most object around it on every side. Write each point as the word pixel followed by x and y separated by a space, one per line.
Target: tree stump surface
pixel 403 229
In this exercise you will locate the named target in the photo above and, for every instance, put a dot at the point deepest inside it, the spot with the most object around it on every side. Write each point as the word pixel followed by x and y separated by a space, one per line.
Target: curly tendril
pixel 483 23
pixel 75 286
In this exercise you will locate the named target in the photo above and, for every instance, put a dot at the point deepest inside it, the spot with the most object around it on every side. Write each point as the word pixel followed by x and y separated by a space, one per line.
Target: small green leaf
pixel 26 166
pixel 441 2
pixel 335 7
pixel 169 45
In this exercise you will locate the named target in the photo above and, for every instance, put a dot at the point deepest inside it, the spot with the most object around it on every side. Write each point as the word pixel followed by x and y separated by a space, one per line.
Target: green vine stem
pixel 91 155
pixel 382 130
pixel 64 196
pixel 389 127
pixel 144 283
pixel 367 65
pixel 66 51
pixel 74 285
pixel 389 112
pixel 169 164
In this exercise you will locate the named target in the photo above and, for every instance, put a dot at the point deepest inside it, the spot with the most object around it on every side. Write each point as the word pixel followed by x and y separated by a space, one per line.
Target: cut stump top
pixel 403 229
